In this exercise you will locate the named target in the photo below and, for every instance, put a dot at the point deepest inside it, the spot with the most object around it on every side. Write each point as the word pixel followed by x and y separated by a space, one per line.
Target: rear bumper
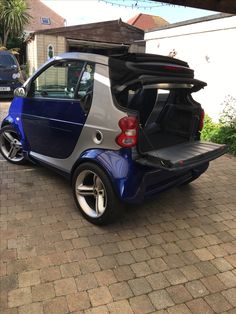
pixel 134 182
pixel 155 182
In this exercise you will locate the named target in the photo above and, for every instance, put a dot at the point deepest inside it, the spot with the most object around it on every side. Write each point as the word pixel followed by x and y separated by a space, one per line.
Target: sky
pixel 90 11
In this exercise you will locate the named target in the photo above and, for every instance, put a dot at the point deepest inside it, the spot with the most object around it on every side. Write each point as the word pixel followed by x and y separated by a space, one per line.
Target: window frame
pixel 43 20
pixel 51 64
pixel 81 76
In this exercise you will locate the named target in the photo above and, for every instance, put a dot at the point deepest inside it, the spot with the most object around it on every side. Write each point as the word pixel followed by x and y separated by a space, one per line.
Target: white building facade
pixel 209 46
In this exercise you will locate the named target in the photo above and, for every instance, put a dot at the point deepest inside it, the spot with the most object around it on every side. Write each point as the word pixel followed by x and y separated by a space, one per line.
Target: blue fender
pixel 123 173
pixel 14 119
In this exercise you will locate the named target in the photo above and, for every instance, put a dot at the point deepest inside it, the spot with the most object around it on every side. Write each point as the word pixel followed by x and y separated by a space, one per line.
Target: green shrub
pixel 210 129
pixel 223 132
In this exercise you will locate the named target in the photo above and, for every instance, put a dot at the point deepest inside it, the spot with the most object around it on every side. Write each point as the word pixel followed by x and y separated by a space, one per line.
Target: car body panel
pixel 52 126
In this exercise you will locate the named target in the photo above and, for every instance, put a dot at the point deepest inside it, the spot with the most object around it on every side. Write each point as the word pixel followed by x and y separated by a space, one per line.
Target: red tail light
pixel 201 122
pixel 129 132
pixel 172 68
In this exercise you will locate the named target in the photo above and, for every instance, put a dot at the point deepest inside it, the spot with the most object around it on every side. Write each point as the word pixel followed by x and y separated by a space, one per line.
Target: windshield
pixel 7 61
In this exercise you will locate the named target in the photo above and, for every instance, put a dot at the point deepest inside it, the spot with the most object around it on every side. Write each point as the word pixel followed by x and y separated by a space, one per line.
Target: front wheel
pixel 94 194
pixel 10 145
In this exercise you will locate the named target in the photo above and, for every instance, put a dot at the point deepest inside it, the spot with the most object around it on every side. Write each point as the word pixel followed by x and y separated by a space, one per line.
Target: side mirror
pixel 20 92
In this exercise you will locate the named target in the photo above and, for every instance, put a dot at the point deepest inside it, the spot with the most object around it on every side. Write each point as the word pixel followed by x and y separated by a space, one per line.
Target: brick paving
pixel 175 254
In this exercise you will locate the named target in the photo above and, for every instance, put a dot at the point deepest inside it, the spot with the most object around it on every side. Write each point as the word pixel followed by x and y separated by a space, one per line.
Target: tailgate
pixel 183 156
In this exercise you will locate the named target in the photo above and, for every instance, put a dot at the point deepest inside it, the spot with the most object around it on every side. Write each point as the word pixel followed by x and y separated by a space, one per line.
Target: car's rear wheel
pixel 10 145
pixel 94 194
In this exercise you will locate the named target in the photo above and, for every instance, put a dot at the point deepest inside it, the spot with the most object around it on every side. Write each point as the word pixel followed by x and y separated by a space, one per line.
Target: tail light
pixel 129 132
pixel 201 122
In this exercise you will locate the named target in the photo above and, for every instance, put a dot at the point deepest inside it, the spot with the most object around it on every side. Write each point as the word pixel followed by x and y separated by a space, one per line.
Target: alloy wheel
pixel 11 146
pixel 91 193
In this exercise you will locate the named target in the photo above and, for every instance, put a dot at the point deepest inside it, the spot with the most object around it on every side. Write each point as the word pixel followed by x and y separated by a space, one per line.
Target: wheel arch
pixel 7 121
pixel 106 161
pixel 10 121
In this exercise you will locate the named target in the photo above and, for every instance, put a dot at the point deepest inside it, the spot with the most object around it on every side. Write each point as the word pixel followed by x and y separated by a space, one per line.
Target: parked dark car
pixel 11 75
pixel 122 128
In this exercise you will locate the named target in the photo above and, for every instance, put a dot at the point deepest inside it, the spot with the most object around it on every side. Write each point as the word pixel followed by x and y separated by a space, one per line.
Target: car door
pixel 52 114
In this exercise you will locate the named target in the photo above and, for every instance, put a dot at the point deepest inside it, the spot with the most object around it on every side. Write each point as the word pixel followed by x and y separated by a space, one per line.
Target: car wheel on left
pixel 10 145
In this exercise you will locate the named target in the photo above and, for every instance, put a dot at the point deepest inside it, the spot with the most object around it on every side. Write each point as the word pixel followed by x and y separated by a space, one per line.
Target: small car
pixel 11 75
pixel 122 127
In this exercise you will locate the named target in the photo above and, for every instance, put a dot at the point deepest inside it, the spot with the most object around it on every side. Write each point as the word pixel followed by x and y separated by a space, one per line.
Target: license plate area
pixel 5 88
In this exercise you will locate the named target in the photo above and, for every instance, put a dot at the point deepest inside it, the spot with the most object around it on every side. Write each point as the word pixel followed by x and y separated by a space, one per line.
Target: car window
pixel 85 88
pixel 58 81
pixel 86 82
pixel 7 61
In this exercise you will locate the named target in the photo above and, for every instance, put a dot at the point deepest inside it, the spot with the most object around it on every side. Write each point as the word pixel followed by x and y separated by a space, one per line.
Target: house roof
pixel 115 31
pixel 147 22
pixel 227 6
pixel 194 21
pixel 38 10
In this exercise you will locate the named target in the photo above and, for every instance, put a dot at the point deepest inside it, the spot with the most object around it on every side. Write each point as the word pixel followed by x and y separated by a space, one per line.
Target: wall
pixel 31 53
pixel 37 49
pixel 209 47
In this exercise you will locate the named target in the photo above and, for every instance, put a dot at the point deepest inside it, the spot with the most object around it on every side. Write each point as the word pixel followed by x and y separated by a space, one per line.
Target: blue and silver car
pixel 122 128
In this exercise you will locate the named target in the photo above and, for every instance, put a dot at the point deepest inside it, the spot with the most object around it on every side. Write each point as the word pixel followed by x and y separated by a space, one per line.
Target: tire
pixel 94 195
pixel 10 145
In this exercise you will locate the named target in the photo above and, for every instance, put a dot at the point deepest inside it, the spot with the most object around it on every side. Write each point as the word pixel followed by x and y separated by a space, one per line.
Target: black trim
pixel 46 165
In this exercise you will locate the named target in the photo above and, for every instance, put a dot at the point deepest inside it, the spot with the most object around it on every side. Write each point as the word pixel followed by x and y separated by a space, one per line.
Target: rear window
pixel 7 61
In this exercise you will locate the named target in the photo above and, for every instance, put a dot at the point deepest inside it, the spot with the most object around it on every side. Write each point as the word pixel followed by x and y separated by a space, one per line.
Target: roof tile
pixel 147 22
pixel 38 10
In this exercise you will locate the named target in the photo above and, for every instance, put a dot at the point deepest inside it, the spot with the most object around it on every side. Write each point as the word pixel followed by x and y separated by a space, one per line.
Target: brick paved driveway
pixel 176 254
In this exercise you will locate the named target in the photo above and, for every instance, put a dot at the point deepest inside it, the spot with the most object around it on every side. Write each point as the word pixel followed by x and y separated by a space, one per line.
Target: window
pixel 45 21
pixel 50 51
pixel 7 61
pixel 85 90
pixel 86 82
pixel 58 81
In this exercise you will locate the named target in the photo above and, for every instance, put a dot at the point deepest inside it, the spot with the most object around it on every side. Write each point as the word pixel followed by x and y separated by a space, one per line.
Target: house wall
pixel 31 52
pixel 37 49
pixel 209 48
pixel 109 32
